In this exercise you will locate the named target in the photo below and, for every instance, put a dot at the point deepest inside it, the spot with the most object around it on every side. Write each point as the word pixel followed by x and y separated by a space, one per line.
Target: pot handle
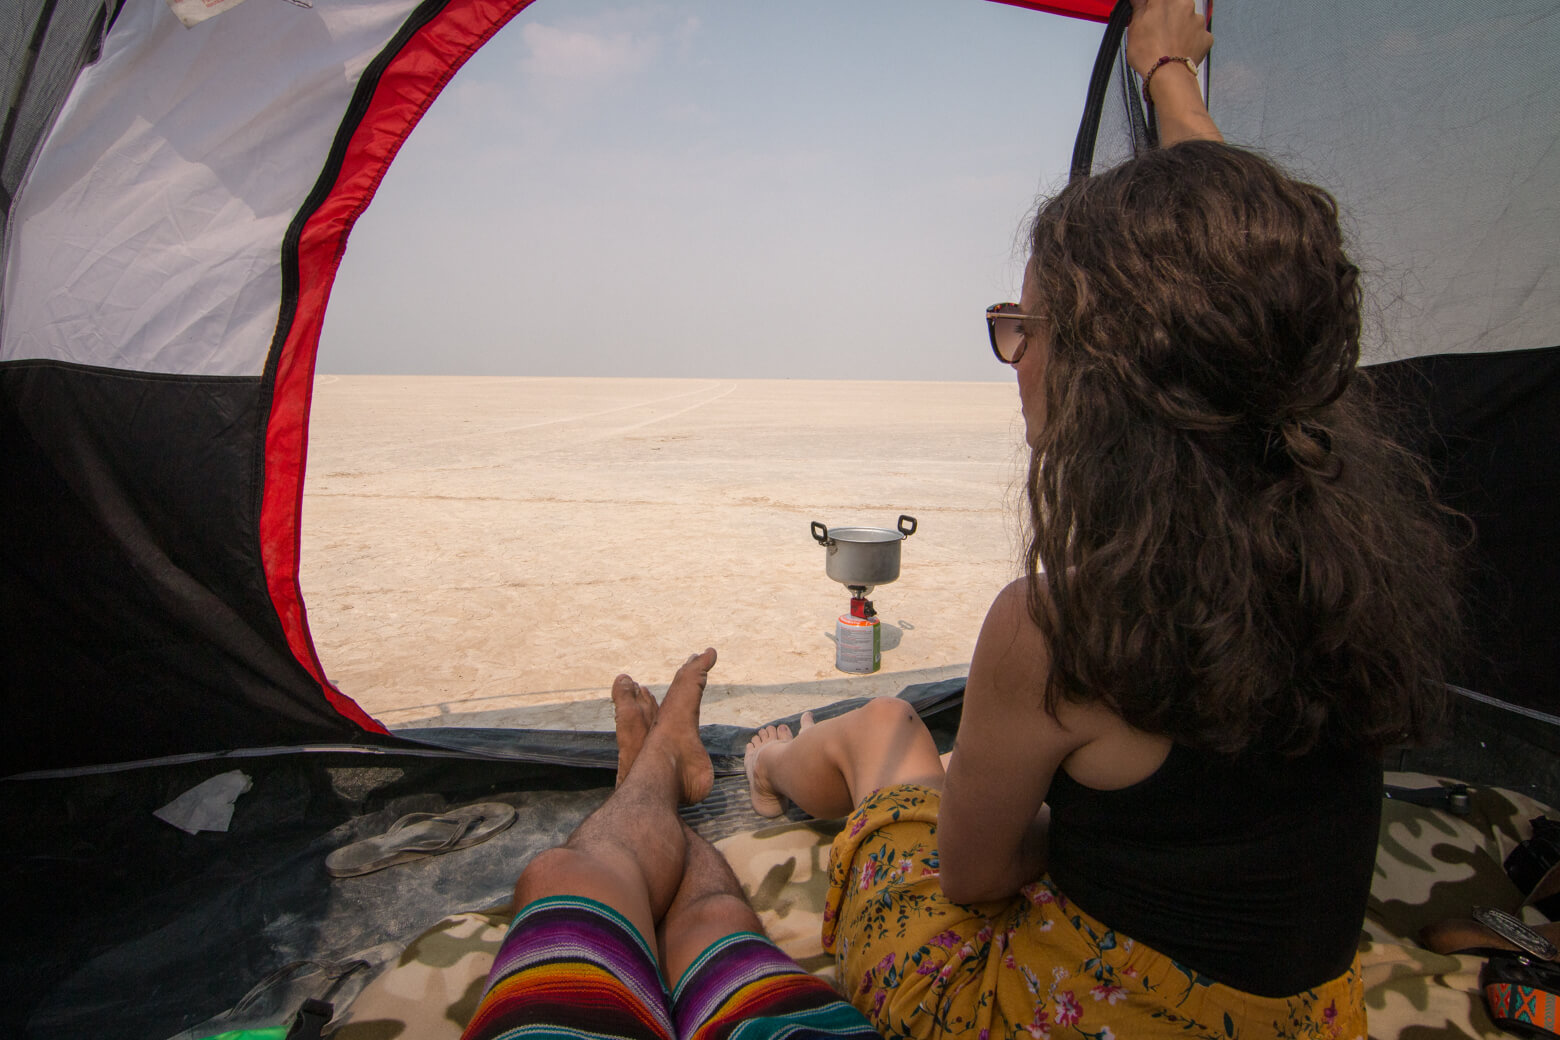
pixel 820 532
pixel 907 532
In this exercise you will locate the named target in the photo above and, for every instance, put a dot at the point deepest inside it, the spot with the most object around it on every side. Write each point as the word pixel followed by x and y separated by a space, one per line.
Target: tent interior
pixel 154 391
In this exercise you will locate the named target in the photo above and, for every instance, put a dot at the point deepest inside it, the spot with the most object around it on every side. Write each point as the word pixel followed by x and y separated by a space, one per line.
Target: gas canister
pixel 858 643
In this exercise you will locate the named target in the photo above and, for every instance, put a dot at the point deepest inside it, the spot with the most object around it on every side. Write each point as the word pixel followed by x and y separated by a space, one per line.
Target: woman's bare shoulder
pixel 1013 658
pixel 1012 667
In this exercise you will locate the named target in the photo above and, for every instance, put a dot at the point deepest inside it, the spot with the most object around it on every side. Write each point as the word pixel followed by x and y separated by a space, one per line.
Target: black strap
pixel 1453 799
pixel 311 1020
pixel 1099 83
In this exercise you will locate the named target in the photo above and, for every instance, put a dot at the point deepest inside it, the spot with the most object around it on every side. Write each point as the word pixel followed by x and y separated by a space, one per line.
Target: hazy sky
pixel 726 188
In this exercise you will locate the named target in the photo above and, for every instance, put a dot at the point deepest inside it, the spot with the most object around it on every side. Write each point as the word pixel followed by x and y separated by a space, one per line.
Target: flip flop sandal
pixel 418 835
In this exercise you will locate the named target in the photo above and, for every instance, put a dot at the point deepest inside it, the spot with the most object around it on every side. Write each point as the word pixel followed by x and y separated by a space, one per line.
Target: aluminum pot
pixel 863 555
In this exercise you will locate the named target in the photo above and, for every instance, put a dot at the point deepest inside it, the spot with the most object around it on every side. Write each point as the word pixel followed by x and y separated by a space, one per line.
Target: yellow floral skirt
pixel 1033 966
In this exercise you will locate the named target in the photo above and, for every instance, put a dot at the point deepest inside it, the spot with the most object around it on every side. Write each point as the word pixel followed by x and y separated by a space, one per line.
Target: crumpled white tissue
pixel 208 806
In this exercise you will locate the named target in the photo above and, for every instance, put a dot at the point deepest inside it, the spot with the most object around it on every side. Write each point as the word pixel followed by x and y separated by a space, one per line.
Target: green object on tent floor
pixel 269 1033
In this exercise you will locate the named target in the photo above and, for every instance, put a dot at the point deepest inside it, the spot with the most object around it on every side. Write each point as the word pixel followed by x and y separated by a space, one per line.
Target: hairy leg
pixel 830 766
pixel 630 852
pixel 709 905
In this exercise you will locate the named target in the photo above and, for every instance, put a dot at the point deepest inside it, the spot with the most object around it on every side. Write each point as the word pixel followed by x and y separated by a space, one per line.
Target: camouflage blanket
pixel 1430 865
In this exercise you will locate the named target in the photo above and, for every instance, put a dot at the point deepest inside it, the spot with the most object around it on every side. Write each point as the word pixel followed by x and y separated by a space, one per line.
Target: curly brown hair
pixel 1234 552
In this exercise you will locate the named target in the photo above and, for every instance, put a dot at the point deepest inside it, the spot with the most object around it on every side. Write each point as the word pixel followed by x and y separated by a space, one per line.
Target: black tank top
pixel 1252 870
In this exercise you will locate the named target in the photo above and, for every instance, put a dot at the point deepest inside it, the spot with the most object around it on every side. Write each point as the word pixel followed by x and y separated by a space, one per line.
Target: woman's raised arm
pixel 1172 29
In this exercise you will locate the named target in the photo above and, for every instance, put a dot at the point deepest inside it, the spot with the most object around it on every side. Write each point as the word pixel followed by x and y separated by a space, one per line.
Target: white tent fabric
pixel 147 236
pixel 170 251
pixel 1436 123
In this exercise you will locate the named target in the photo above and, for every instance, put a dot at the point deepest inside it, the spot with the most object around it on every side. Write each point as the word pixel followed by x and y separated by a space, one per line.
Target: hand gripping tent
pixel 175 202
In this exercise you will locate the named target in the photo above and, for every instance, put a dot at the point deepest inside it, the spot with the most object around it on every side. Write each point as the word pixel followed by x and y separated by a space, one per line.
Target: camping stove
pixel 861 558
pixel 860 605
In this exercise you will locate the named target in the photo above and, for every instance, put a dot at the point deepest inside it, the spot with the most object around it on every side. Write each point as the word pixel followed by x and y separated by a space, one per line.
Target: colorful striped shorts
pixel 575 968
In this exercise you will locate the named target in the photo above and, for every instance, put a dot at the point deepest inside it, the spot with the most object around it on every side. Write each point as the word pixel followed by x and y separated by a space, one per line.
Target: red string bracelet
pixel 1167 59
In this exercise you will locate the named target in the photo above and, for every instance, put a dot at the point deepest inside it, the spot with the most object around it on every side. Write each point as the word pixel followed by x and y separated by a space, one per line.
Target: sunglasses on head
pixel 1005 326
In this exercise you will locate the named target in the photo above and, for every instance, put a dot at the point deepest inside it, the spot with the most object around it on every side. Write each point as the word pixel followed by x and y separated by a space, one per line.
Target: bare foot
pixel 766 800
pixel 676 728
pixel 633 713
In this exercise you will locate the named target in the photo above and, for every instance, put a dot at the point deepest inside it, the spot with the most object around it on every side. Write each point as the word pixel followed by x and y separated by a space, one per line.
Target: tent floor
pixel 1492 747
pixel 123 925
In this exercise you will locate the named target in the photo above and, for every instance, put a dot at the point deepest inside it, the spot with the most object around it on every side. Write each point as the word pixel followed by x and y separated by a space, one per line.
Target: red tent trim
pixel 1091 10
pixel 407 86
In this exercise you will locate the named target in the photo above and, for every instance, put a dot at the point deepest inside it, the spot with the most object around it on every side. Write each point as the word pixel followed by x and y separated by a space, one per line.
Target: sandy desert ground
pixel 492 551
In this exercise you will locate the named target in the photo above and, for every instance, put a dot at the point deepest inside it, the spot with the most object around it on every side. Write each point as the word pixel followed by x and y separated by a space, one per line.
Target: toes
pixel 646 702
pixel 761 736
pixel 807 720
pixel 766 801
pixel 626 710
pixel 767 735
pixel 697 666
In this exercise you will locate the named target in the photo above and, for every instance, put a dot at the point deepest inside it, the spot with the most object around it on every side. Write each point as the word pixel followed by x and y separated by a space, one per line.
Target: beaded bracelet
pixel 1190 66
